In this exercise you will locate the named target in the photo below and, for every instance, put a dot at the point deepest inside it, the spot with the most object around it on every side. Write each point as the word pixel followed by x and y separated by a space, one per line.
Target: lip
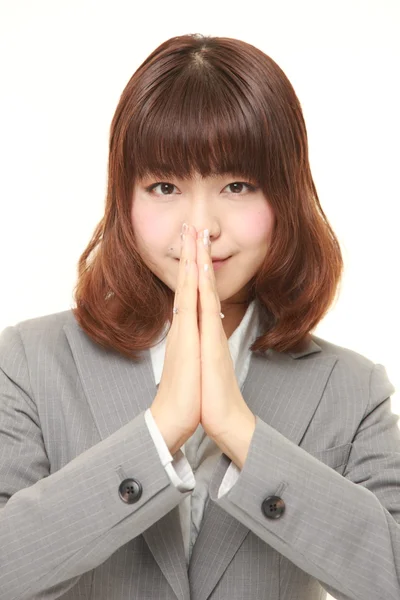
pixel 217 264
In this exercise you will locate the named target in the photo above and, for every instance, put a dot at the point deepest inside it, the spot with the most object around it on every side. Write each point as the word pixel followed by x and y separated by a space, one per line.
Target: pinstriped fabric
pixel 55 528
pixel 331 518
pixel 72 427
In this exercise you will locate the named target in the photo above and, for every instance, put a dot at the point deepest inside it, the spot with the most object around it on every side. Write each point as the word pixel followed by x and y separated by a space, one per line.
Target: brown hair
pixel 210 105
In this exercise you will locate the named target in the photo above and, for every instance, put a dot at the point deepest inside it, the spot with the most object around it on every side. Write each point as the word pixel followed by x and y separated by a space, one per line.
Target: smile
pixel 217 264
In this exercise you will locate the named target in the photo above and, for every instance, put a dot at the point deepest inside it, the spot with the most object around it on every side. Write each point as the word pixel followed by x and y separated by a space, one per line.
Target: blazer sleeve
pixel 344 530
pixel 55 527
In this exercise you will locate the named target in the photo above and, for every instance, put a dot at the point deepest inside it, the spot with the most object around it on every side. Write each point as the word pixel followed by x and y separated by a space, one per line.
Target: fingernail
pixel 184 232
pixel 206 238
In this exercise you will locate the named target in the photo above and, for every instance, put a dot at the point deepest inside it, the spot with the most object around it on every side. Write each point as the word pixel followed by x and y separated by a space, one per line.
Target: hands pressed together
pixel 198 383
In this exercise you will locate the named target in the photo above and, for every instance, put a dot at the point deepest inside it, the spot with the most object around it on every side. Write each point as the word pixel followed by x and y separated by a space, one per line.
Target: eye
pixel 251 188
pixel 166 187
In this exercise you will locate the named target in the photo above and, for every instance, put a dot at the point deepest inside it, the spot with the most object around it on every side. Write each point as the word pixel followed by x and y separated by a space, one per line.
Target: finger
pixel 186 292
pixel 210 302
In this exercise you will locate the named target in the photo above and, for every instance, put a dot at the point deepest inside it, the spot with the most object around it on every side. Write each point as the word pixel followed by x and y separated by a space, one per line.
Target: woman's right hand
pixel 176 408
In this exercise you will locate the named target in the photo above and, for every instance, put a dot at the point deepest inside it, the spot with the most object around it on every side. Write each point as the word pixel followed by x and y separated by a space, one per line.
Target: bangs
pixel 205 125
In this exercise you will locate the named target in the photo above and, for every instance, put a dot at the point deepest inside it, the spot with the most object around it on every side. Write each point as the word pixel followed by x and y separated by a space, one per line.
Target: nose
pixel 202 211
pixel 202 207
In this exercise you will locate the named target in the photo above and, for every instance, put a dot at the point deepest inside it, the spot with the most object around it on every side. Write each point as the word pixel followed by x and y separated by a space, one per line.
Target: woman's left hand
pixel 223 407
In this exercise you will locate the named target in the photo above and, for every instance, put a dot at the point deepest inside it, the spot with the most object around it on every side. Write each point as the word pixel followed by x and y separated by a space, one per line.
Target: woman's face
pixel 239 219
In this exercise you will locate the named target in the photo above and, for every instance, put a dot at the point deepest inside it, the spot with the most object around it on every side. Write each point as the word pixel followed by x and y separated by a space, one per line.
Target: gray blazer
pixel 72 429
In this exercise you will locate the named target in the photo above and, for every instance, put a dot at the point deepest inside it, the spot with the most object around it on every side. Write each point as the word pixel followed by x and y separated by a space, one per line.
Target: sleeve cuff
pixel 177 466
pixel 229 480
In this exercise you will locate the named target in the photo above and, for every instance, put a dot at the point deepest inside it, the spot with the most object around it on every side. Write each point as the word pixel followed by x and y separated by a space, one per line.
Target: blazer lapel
pixel 117 390
pixel 284 392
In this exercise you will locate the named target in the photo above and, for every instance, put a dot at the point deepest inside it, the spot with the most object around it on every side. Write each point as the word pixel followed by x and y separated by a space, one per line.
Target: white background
pixel 64 65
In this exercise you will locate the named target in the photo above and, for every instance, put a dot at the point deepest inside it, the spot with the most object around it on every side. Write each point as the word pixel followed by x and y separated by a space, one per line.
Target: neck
pixel 233 315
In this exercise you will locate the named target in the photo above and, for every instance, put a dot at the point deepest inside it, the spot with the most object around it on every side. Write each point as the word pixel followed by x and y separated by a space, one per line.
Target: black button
pixel 273 507
pixel 130 490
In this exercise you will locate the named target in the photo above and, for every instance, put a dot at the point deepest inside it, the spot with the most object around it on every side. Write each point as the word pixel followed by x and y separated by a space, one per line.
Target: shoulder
pixel 345 356
pixel 33 337
pixel 48 326
pixel 354 370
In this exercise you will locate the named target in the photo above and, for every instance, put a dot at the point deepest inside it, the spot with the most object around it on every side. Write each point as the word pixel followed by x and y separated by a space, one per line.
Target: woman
pixel 181 433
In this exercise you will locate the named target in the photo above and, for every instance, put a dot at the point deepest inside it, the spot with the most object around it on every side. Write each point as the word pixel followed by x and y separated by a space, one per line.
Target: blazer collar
pixel 106 375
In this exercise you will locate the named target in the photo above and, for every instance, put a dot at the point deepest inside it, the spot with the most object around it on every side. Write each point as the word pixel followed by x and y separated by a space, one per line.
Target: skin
pixel 240 222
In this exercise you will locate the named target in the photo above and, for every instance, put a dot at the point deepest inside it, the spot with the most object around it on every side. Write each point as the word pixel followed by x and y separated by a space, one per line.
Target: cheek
pixel 149 228
pixel 256 226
